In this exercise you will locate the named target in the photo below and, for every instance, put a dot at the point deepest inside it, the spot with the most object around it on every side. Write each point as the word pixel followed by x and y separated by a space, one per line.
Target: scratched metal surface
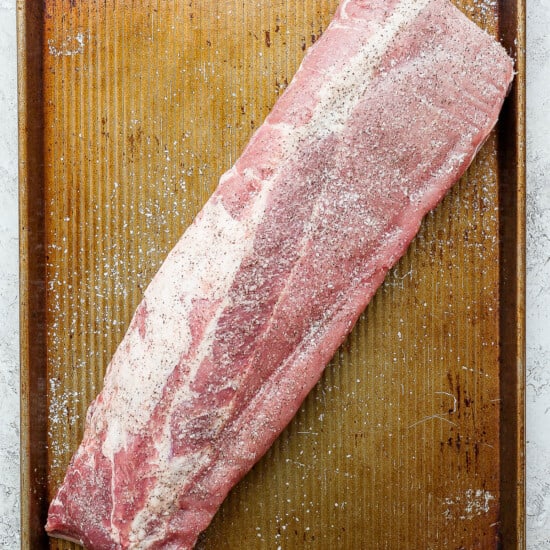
pixel 131 112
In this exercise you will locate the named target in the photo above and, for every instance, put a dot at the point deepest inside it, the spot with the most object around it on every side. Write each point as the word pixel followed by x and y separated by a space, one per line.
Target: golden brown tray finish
pixel 129 113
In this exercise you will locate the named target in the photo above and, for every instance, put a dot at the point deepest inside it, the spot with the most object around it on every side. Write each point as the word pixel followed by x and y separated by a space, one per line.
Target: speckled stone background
pixel 538 279
pixel 538 274
pixel 9 305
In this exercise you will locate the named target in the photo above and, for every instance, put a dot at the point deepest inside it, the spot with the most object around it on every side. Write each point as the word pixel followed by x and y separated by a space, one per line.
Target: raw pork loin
pixel 385 113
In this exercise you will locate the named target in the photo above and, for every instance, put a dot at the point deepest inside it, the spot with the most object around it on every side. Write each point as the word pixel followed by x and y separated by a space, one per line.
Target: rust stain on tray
pixel 144 106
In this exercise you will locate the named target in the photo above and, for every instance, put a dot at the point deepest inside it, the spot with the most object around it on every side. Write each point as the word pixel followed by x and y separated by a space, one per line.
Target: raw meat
pixel 384 115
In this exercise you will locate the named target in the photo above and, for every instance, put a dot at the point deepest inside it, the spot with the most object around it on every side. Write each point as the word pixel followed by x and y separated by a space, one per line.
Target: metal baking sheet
pixel 129 113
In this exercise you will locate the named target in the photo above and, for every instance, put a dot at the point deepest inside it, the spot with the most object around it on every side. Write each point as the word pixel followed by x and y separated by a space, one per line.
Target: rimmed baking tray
pixel 129 112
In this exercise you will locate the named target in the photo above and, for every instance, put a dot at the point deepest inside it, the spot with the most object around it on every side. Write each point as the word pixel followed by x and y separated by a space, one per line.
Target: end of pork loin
pixel 90 480
pixel 385 113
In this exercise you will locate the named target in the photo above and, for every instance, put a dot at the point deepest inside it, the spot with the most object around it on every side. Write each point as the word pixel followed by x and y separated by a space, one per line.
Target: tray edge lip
pixel 24 320
pixel 521 246
pixel 512 531
pixel 30 494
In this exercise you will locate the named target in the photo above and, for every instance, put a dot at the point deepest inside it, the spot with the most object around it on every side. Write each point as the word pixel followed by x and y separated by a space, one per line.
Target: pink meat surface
pixel 385 113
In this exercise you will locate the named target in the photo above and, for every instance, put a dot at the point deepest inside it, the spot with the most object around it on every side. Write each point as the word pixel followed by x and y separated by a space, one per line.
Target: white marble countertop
pixel 538 277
